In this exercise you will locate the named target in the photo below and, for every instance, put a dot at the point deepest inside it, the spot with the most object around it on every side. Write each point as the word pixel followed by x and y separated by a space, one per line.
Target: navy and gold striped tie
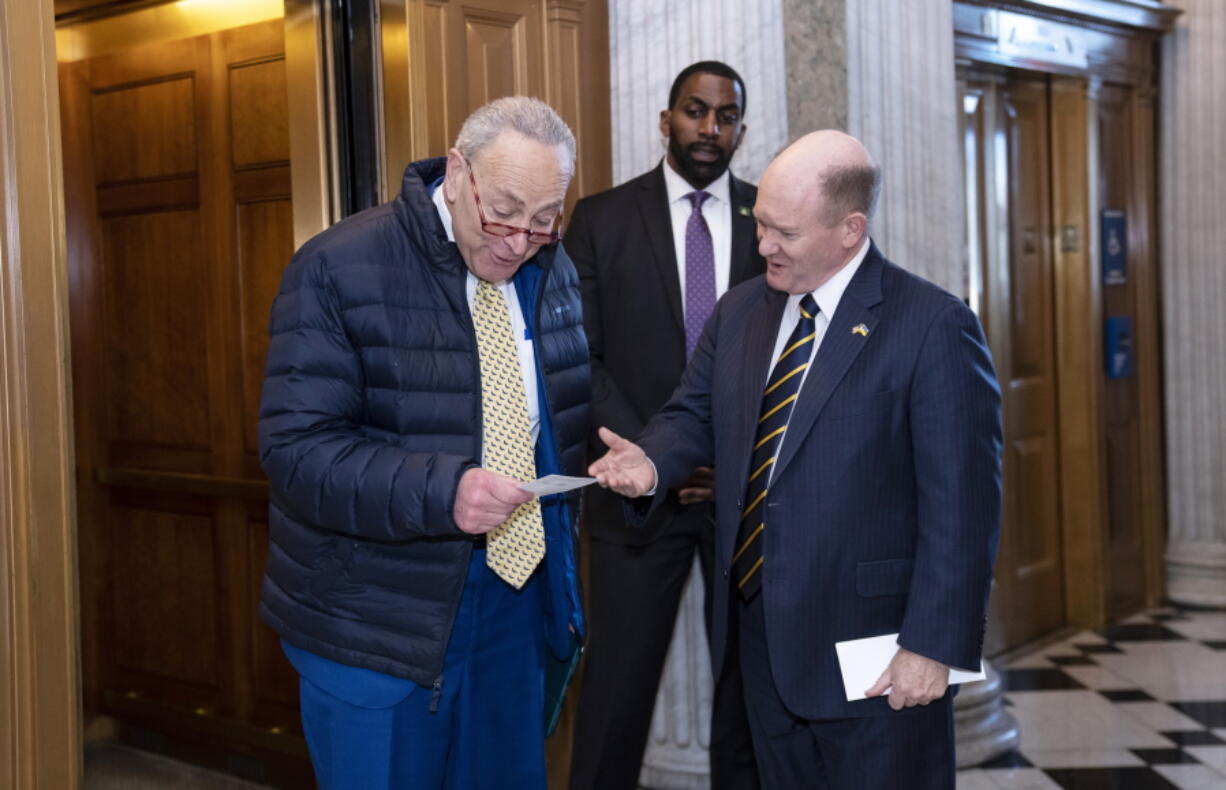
pixel 782 389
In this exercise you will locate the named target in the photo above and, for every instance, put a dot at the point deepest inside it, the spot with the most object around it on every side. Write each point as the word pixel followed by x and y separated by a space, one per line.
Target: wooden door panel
pixel 1034 507
pixel 1032 548
pixel 482 50
pixel 275 682
pixel 163 570
pixel 156 317
pixel 265 234
pixel 1028 599
pixel 1121 396
pixel 440 132
pixel 496 55
pixel 259 113
pixel 145 197
pixel 145 131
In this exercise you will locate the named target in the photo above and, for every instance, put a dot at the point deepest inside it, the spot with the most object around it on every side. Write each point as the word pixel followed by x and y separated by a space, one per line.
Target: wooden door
pixel 179 223
pixel 442 59
pixel 1123 432
pixel 1006 136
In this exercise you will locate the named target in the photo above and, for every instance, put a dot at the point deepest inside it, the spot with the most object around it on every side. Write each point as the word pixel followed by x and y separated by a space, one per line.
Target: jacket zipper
pixel 437 694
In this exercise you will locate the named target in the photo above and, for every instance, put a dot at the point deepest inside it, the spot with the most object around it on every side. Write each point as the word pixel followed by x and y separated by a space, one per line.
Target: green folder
pixel 557 677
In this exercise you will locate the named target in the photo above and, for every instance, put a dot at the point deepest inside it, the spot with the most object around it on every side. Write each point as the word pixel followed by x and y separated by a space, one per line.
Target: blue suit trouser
pixel 912 748
pixel 482 728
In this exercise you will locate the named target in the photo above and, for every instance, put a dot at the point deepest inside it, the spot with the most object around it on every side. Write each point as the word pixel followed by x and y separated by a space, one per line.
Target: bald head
pixel 813 206
pixel 846 177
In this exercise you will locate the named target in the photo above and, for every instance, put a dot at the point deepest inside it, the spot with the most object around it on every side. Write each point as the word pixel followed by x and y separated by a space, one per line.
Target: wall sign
pixel 1041 41
pixel 1117 351
pixel 1113 241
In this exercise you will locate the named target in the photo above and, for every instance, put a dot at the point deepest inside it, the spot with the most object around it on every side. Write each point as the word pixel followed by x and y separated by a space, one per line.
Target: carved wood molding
pixel 1148 15
pixel 564 11
pixel 40 744
pixel 69 12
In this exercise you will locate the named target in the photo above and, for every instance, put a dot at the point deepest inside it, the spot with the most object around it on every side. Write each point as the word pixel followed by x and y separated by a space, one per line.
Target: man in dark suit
pixel 653 256
pixel 852 415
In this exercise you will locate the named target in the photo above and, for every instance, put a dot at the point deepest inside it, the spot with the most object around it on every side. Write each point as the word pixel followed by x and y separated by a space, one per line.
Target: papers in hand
pixel 863 660
pixel 556 484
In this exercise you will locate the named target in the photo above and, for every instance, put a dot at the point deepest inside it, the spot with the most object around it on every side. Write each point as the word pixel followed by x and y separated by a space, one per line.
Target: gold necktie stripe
pixel 793 372
pixel 517 546
pixel 795 346
pixel 770 436
pixel 748 540
pixel 781 404
pixel 761 469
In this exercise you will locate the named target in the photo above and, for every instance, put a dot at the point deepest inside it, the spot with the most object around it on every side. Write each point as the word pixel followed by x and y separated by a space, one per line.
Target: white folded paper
pixel 863 660
pixel 556 484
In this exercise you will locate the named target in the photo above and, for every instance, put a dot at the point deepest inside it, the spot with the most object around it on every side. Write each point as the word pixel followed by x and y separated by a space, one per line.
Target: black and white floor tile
pixel 1139 706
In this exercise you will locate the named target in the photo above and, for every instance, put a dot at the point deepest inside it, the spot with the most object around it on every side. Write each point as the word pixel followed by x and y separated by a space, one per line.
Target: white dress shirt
pixel 827 297
pixel 716 210
pixel 527 353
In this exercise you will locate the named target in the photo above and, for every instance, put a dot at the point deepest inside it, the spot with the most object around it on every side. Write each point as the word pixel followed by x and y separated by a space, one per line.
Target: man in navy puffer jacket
pixel 420 666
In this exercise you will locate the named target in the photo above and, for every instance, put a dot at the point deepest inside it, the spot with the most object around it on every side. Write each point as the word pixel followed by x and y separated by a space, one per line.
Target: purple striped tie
pixel 699 273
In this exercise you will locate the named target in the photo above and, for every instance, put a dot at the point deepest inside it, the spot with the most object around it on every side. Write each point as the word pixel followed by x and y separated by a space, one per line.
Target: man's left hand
pixel 912 680
pixel 700 487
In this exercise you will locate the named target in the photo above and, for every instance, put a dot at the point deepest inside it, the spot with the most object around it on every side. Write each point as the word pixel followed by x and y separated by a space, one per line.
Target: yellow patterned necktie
pixel 517 545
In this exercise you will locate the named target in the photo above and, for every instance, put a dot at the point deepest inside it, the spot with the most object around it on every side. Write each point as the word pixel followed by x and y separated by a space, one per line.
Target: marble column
pixel 649 43
pixel 677 755
pixel 1193 187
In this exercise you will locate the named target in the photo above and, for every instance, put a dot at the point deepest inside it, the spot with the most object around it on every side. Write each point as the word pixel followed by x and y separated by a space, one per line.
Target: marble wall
pixel 650 41
pixel 902 104
pixel 884 72
pixel 1193 193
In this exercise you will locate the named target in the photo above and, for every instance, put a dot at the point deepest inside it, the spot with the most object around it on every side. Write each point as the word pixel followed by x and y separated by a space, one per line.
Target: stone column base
pixel 1196 573
pixel 983 728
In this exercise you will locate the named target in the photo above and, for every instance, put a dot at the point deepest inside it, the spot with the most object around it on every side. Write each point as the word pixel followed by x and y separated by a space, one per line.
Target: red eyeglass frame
pixel 503 230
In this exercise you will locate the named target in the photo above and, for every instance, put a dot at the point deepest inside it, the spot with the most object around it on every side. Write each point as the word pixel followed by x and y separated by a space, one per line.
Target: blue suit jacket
pixel 884 509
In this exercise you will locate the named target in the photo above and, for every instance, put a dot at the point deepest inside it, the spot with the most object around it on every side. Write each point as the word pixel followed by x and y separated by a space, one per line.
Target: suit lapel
pixel 839 349
pixel 758 343
pixel 654 210
pixel 744 234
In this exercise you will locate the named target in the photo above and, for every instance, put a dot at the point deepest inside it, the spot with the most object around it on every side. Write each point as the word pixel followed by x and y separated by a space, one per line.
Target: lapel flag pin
pixel 860 329
pixel 745 211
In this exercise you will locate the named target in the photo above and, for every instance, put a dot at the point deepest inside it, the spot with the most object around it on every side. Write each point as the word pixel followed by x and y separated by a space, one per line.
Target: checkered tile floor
pixel 1140 705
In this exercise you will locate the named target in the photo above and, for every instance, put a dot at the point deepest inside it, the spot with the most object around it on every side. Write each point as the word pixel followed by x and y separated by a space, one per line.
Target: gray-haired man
pixel 426 357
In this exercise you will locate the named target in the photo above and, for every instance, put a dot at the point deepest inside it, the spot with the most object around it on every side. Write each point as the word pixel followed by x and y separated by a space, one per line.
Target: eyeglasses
pixel 499 229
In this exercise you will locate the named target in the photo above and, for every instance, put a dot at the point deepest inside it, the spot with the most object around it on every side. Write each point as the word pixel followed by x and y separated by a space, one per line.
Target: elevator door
pixel 1008 169
pixel 179 224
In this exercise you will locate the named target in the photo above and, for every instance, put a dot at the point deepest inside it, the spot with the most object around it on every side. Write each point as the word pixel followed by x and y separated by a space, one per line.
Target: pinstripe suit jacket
pixel 883 513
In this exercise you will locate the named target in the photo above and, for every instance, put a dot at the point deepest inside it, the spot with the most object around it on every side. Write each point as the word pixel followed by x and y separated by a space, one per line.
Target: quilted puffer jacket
pixel 371 412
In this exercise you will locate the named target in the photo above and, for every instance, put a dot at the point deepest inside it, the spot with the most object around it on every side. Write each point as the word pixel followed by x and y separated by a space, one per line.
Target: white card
pixel 863 660
pixel 556 484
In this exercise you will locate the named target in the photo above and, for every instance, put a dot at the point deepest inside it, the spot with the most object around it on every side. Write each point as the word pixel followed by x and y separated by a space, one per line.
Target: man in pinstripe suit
pixel 853 417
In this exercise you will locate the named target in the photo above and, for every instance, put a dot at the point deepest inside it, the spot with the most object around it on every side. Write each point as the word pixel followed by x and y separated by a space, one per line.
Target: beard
pixel 698 173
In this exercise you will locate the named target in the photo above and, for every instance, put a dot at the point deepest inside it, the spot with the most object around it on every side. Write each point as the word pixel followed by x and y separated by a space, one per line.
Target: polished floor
pixel 111 766
pixel 1138 706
